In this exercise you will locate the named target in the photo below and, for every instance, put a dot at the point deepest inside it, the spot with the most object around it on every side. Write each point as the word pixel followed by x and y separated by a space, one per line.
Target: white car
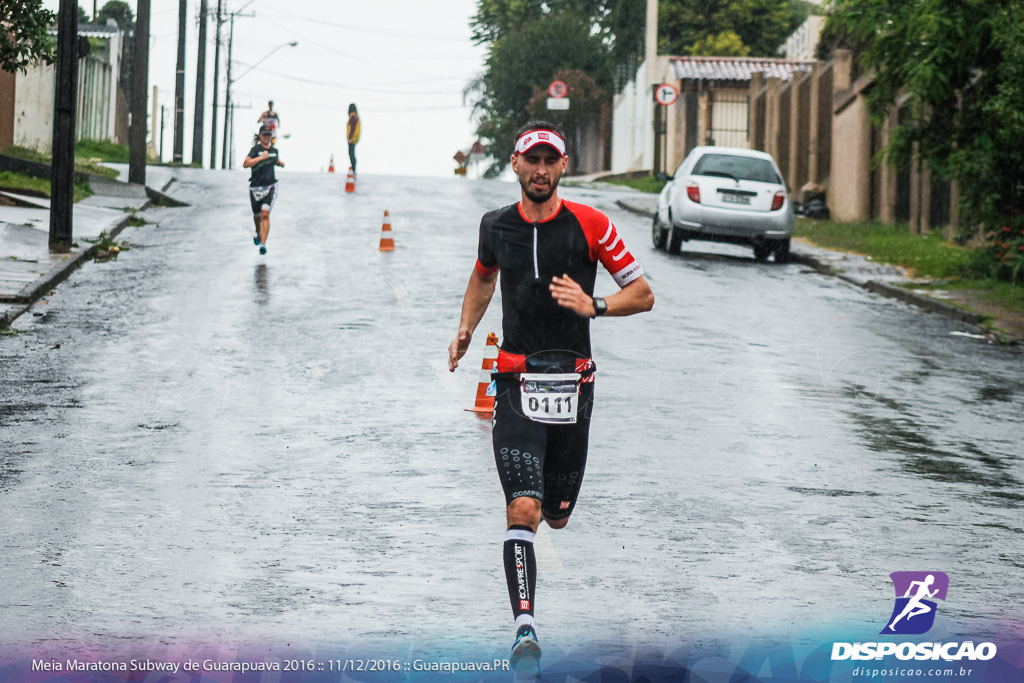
pixel 726 194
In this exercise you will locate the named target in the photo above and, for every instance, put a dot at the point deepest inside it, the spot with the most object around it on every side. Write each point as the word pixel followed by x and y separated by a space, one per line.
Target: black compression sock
pixel 520 572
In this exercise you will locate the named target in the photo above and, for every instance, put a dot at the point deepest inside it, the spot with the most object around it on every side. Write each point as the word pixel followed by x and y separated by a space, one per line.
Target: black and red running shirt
pixel 529 254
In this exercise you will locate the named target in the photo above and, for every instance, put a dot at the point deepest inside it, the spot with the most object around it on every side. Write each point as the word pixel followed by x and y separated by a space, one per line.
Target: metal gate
pixel 729 118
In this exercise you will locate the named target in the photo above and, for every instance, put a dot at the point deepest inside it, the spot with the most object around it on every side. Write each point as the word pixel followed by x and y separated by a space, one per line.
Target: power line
pixel 307 40
pixel 343 86
pixel 368 29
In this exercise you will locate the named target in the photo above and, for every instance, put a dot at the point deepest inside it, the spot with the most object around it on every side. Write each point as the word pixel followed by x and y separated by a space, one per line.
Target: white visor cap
pixel 540 137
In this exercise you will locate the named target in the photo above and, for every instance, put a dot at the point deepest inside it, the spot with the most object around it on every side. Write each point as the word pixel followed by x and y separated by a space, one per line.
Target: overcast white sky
pixel 405 64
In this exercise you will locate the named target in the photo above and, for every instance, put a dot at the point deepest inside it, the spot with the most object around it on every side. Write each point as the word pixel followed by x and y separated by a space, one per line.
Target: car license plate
pixel 730 198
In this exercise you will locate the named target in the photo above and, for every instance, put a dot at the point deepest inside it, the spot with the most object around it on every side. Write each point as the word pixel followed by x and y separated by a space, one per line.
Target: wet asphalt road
pixel 227 448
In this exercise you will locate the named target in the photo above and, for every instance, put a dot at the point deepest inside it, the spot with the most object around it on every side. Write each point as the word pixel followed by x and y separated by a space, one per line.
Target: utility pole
pixel 227 89
pixel 179 87
pixel 62 171
pixel 197 125
pixel 140 84
pixel 216 79
pixel 163 112
pixel 227 98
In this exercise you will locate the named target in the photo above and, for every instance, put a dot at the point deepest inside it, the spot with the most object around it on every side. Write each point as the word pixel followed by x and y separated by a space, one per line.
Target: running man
pixel 270 118
pixel 262 160
pixel 352 130
pixel 547 251
pixel 914 606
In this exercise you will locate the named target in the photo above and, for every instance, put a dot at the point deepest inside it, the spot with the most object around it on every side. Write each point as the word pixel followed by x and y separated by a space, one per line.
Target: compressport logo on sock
pixel 524 593
pixel 914 614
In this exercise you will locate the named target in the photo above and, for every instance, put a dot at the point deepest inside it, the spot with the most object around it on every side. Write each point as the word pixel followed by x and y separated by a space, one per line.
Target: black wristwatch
pixel 600 306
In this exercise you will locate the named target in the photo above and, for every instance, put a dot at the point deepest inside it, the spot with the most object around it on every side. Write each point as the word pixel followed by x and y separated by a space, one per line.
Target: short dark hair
pixel 539 125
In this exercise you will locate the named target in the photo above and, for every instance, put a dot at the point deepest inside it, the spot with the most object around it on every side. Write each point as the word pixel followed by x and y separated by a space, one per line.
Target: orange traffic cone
pixel 387 242
pixel 485 388
pixel 330 169
pixel 350 183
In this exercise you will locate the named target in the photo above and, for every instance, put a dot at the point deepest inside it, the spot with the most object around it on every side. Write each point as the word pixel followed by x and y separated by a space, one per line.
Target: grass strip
pixel 104 150
pixel 927 255
pixel 646 184
pixel 83 165
pixel 20 181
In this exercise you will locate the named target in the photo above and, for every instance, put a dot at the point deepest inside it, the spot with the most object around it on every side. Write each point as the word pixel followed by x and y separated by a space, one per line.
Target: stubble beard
pixel 538 196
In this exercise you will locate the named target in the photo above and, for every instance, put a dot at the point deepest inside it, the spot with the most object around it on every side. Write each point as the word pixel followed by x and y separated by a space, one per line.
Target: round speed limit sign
pixel 666 94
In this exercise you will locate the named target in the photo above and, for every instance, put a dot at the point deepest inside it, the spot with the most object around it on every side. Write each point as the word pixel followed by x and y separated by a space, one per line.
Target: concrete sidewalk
pixel 27 267
pixel 881 278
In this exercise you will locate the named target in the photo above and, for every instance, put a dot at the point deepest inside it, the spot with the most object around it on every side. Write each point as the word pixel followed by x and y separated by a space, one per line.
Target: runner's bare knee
pixel 525 511
pixel 557 523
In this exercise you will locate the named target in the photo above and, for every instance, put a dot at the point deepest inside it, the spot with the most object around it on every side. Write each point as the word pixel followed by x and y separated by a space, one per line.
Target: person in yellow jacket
pixel 353 135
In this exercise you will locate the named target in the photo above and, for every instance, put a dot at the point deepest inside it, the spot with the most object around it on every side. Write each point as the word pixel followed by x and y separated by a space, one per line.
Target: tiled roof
pixel 734 68
pixel 92 30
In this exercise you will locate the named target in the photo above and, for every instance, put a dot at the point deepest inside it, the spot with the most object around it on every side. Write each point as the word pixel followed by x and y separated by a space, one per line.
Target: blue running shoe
pixel 525 657
pixel 263 249
pixel 256 240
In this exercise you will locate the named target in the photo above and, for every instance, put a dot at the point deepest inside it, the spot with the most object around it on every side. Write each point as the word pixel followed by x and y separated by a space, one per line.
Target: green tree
pixel 526 59
pixel 83 18
pixel 961 66
pixel 119 11
pixel 724 44
pixel 23 38
pixel 761 25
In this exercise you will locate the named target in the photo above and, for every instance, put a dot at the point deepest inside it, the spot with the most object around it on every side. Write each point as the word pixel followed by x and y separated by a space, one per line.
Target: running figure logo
pixel 914 612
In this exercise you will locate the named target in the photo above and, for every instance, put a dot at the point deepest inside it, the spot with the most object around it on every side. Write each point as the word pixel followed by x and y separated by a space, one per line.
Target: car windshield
pixel 737 167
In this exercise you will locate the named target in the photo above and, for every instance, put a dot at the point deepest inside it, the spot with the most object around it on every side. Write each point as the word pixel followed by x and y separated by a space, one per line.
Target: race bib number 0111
pixel 551 399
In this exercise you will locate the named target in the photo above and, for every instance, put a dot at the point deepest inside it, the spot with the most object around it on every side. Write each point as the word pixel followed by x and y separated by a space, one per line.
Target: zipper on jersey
pixel 536 266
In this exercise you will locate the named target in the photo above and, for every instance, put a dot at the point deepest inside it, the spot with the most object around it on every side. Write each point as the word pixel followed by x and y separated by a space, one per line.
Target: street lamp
pixel 291 44
pixel 230 113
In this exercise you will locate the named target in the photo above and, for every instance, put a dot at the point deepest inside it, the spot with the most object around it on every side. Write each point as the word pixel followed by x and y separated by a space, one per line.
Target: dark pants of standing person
pixel 352 156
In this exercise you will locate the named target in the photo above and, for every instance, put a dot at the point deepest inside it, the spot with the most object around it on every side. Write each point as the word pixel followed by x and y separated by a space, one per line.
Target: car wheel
pixel 762 251
pixel 675 240
pixel 781 249
pixel 659 235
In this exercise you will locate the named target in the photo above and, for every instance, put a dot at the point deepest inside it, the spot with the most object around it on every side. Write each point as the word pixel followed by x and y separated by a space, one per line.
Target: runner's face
pixel 265 139
pixel 539 170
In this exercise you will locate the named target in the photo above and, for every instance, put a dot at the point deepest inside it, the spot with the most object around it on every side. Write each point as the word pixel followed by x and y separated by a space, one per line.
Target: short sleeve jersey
pixel 528 254
pixel 263 172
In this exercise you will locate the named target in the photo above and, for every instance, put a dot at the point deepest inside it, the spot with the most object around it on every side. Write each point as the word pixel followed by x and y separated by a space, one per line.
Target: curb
pixel 33 291
pixel 634 209
pixel 925 303
pixel 30 292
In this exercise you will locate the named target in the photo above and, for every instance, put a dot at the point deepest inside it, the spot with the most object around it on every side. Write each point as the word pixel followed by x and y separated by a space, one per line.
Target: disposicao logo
pixel 916 592
pixel 914 614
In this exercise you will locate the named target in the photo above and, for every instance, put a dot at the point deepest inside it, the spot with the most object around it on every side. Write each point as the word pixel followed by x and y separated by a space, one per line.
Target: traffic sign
pixel 558 89
pixel 558 103
pixel 460 157
pixel 666 94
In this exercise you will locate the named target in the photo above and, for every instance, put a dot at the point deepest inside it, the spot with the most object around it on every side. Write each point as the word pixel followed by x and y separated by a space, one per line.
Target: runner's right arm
pixel 252 161
pixel 478 295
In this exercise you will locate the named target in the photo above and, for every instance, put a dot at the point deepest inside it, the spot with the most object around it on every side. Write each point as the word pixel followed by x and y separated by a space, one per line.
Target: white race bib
pixel 552 399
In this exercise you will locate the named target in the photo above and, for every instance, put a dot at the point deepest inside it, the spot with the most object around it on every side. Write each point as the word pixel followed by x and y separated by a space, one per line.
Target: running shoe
pixel 256 240
pixel 525 657
pixel 263 249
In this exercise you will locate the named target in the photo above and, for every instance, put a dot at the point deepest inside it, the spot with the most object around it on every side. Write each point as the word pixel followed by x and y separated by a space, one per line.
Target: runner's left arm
pixel 606 247
pixel 634 297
